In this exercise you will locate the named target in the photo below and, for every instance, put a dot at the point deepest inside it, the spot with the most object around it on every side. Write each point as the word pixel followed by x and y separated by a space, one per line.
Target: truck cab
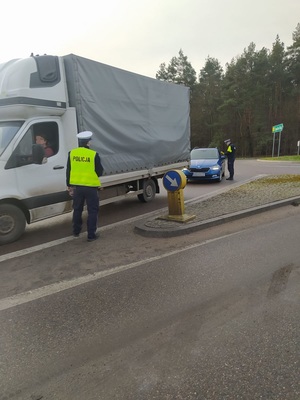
pixel 33 102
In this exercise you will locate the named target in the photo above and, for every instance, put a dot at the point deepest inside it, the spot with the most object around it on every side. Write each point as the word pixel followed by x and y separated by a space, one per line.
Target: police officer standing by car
pixel 83 171
pixel 230 153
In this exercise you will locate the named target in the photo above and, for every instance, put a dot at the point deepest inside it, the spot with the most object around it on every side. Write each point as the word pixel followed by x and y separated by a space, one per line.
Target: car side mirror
pixel 37 154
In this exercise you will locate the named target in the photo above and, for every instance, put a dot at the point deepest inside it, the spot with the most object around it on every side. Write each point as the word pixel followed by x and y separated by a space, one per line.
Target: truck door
pixel 42 186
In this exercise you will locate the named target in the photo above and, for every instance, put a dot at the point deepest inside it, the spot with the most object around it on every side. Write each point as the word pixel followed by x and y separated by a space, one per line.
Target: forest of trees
pixel 259 89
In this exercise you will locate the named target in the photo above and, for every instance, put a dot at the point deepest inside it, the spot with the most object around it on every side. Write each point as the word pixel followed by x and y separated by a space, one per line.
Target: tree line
pixel 257 90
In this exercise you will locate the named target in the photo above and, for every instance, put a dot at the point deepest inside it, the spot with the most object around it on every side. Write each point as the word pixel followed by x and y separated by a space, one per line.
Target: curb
pixel 142 229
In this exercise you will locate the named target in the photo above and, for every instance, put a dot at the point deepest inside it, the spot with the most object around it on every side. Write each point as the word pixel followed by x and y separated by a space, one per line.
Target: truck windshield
pixel 8 130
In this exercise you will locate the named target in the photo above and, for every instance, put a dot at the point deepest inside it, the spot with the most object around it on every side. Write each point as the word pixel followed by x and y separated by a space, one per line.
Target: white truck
pixel 141 130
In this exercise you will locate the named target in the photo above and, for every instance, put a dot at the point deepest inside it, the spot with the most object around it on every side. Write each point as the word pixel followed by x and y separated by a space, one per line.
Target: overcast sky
pixel 139 35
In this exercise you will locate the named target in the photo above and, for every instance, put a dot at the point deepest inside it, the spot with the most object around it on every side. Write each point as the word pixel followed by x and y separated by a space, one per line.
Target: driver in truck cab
pixel 42 141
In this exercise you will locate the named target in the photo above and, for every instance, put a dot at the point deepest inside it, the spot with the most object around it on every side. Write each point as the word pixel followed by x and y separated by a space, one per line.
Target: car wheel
pixel 12 223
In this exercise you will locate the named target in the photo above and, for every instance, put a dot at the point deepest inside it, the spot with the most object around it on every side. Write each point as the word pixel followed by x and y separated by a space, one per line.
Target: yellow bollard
pixel 174 182
pixel 176 202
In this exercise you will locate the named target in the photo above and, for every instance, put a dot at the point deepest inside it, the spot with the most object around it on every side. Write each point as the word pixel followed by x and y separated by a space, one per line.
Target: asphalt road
pixel 60 227
pixel 213 315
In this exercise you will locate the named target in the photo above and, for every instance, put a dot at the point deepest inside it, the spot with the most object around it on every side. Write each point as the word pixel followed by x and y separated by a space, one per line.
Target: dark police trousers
pixel 230 163
pixel 90 196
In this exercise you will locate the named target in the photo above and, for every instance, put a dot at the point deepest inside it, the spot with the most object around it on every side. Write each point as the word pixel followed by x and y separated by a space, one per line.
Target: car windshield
pixel 8 130
pixel 197 154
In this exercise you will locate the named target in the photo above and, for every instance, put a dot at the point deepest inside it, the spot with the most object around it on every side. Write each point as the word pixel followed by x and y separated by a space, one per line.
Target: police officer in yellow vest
pixel 230 153
pixel 83 171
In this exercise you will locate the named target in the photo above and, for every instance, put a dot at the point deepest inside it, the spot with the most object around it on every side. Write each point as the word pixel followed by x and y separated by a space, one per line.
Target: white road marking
pixel 48 290
pixel 57 242
pixel 33 249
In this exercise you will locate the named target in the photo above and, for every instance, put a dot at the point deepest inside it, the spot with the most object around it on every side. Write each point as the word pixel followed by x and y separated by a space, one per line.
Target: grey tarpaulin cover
pixel 138 122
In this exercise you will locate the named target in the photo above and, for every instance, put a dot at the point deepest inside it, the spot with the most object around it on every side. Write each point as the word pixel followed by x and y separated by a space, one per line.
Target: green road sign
pixel 277 128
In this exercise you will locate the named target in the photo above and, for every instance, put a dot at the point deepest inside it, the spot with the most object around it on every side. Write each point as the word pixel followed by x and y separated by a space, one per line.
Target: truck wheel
pixel 12 223
pixel 149 190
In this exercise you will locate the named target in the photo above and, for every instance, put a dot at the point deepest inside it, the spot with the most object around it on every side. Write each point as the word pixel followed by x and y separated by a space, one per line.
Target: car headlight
pixel 215 167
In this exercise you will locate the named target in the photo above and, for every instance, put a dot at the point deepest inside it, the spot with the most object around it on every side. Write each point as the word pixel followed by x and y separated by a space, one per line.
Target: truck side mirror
pixel 37 154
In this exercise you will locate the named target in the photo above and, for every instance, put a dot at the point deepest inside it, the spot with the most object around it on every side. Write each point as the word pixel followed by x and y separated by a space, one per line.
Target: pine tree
pixel 178 71
pixel 209 99
pixel 293 109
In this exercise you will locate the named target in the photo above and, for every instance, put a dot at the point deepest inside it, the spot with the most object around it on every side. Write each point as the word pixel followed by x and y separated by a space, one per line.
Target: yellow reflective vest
pixel 82 162
pixel 229 149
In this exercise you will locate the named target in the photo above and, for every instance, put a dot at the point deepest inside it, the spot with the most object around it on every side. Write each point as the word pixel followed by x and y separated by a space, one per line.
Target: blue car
pixel 206 164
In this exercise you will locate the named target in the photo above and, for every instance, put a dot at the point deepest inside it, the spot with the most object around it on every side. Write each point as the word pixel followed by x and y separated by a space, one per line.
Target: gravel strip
pixel 253 194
